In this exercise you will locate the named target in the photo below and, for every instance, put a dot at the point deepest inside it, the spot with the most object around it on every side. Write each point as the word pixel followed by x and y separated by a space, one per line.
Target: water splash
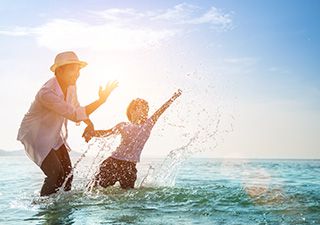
pixel 102 146
pixel 165 174
pixel 201 119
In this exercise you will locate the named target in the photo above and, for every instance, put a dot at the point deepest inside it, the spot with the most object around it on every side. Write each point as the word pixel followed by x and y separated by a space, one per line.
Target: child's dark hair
pixel 133 105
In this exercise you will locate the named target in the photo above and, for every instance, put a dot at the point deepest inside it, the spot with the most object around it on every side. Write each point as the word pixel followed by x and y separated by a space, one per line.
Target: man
pixel 43 130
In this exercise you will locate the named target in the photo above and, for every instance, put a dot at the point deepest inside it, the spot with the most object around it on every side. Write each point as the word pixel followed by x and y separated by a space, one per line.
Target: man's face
pixel 69 73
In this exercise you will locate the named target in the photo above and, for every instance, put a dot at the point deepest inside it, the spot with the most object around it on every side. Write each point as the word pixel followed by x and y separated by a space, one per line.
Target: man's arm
pixel 103 95
pixel 166 105
pixel 52 101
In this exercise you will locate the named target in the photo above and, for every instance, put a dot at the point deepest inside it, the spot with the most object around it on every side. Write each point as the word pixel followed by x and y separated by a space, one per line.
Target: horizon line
pixel 218 158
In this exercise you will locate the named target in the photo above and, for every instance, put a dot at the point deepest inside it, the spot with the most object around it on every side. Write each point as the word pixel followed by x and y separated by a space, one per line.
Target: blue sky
pixel 257 63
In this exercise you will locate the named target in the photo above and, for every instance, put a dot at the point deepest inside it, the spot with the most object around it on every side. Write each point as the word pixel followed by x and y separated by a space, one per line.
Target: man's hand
pixel 88 133
pixel 104 94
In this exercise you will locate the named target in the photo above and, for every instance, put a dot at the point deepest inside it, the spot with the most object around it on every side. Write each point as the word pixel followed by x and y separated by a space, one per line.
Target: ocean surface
pixel 200 191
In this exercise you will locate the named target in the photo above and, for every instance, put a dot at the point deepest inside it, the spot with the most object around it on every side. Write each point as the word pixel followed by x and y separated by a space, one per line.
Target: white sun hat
pixel 65 58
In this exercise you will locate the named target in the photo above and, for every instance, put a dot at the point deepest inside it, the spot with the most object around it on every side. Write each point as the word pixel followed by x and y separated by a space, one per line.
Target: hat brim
pixel 55 66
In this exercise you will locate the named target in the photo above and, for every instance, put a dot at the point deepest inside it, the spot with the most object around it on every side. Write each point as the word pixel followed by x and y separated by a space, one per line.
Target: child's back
pixel 133 138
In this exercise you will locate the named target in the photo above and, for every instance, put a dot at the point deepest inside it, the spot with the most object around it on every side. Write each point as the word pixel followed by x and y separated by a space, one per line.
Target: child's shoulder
pixel 121 125
pixel 149 122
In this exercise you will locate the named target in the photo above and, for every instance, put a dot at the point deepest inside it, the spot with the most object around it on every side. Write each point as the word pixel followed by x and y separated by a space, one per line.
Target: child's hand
pixel 88 133
pixel 104 94
pixel 177 93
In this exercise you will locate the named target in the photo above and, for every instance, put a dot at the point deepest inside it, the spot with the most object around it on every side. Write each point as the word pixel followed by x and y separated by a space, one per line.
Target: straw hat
pixel 65 58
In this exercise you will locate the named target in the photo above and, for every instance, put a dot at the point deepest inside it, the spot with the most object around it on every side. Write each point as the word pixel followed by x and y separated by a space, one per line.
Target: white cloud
pixel 279 70
pixel 116 14
pixel 124 29
pixel 178 13
pixel 16 31
pixel 190 15
pixel 244 61
pixel 214 17
pixel 62 34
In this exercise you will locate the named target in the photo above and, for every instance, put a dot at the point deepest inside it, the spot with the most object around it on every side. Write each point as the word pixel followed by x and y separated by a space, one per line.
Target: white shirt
pixel 44 126
pixel 133 139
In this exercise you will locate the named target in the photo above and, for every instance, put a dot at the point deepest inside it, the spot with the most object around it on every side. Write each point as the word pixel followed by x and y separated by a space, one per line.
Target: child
pixel 121 165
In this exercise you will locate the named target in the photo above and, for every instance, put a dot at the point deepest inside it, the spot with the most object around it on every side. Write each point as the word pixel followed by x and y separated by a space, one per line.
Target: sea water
pixel 203 191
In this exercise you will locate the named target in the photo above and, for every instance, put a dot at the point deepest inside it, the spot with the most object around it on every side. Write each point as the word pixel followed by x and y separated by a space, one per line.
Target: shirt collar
pixel 54 85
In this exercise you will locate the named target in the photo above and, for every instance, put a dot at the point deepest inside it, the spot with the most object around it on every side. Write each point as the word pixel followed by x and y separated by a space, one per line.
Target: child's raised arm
pixel 158 113
pixel 102 133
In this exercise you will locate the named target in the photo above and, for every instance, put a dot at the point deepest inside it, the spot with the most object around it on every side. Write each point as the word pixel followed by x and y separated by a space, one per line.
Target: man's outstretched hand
pixel 104 93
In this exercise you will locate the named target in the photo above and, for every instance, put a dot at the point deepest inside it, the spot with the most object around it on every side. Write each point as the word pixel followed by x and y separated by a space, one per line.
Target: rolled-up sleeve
pixel 49 99
pixel 81 113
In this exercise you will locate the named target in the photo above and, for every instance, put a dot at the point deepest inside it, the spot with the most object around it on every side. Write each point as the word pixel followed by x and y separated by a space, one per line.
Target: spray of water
pixel 202 119
pixel 201 122
pixel 100 148
pixel 202 140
